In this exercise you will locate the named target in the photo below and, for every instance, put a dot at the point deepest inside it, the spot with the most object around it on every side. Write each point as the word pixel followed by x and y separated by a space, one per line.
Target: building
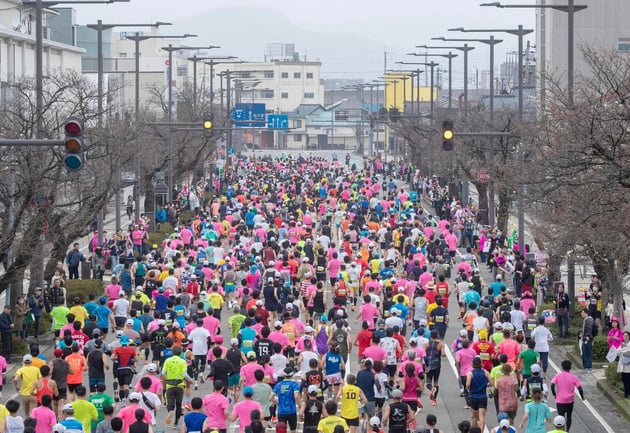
pixel 281 85
pixel 602 25
pixel 17 46
pixel 315 127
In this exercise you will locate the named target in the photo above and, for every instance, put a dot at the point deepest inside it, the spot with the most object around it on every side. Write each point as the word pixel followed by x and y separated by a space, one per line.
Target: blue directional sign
pixel 278 121
pixel 249 115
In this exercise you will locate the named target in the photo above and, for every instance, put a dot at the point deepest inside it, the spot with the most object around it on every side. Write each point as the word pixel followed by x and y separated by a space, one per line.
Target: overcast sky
pixel 392 26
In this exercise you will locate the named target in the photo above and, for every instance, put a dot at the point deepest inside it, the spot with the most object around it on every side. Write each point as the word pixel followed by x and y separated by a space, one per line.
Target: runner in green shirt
pixel 527 358
pixel 59 313
pixel 100 400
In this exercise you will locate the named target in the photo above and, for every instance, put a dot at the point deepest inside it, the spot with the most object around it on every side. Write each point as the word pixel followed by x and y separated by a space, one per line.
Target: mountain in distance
pixel 245 32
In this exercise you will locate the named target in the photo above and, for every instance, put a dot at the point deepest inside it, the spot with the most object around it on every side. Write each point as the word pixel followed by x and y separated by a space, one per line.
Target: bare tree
pixel 580 177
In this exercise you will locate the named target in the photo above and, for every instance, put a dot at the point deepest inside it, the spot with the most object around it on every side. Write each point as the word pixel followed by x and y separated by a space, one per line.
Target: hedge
pixel 82 289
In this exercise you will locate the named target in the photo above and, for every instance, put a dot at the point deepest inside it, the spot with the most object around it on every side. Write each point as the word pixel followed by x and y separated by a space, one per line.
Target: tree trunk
pixel 482 193
pixel 503 212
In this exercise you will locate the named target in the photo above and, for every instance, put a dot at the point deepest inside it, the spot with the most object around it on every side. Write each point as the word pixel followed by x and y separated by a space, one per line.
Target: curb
pixel 612 396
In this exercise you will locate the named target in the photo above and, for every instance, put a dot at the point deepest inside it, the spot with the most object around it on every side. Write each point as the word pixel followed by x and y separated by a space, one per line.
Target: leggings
pixel 174 397
pixel 565 409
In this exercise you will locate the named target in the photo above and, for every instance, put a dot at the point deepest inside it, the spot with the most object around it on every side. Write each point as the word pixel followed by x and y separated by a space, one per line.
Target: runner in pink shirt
pixel 156 384
pixel 217 406
pixel 375 352
pixel 243 409
pixel 247 371
pixel 368 312
pixel 563 386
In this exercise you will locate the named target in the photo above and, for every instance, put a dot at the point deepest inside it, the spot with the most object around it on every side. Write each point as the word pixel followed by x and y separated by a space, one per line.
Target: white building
pixel 280 84
pixel 17 46
pixel 603 25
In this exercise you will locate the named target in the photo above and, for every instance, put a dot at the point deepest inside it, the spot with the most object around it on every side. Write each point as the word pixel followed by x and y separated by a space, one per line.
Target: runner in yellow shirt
pixel 27 374
pixel 328 423
pixel 351 395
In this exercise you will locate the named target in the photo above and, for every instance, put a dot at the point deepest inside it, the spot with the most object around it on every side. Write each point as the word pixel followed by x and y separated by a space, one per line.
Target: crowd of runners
pixel 253 299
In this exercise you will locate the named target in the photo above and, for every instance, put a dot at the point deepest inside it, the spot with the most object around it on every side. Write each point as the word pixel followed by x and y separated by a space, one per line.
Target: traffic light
pixel 208 123
pixel 74 147
pixel 394 114
pixel 447 135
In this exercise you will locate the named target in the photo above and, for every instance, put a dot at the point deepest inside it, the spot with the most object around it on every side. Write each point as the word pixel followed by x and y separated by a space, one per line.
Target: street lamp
pixel 211 63
pixel 412 73
pixel 465 48
pixel 450 57
pixel 39 50
pixel 137 38
pixel 519 32
pixel 196 59
pixel 571 9
pixel 491 41
pixel 432 66
pixel 100 27
pixel 170 49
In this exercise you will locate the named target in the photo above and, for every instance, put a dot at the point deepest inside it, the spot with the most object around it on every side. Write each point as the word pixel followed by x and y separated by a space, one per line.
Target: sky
pixel 352 38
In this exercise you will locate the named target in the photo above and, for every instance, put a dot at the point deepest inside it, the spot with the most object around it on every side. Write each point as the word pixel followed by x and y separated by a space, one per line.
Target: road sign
pixel 278 121
pixel 249 115
pixel 483 176
pixel 230 151
pixel 128 176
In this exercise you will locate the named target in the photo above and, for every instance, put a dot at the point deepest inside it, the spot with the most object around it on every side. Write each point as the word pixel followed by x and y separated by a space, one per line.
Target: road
pixel 594 416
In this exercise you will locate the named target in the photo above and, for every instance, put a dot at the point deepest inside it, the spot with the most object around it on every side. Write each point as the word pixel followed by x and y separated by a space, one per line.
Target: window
pixel 182 71
pixel 623 46
pixel 309 95
pixel 268 74
pixel 297 75
pixel 297 137
pixel 122 54
pixel 266 94
pixel 285 95
pixel 309 75
pixel 297 123
pixel 284 75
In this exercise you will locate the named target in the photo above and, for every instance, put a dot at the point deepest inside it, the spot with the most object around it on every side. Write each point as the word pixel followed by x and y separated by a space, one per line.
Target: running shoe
pixel 169 417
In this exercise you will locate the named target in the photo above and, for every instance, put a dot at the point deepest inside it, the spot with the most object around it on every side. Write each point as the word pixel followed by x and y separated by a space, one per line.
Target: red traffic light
pixel 73 127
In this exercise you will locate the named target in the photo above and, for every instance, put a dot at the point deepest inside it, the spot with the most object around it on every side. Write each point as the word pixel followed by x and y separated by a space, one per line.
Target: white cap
pixel 535 368
pixel 375 421
pixel 161 322
pixel 129 322
pixel 234 341
pixel 289 306
pixel 499 277
pixel 152 368
pixel 135 396
pixel 271 263
pixel 121 293
pixel 504 423
pixel 305 259
pixel 309 329
pixel 278 324
pixel 559 421
pixel 423 322
pixel 259 303
pixel 270 280
pixel 312 389
pixel 27 359
pixel 463 333
pixel 58 428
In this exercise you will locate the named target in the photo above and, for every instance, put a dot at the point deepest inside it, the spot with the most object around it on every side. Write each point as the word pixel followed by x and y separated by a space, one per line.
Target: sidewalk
pixel 46 340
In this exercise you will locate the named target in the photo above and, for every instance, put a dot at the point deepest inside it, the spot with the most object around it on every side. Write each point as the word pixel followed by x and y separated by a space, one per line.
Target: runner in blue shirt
pixel 286 393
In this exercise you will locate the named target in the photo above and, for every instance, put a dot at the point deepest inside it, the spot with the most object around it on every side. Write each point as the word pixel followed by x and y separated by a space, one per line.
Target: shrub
pixel 19 346
pixel 613 379
pixel 82 289
pixel 186 216
pixel 163 228
pixel 600 348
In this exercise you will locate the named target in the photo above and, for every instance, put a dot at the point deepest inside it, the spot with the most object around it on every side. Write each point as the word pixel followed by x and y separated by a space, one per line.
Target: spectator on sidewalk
pixel 73 259
pixel 6 330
